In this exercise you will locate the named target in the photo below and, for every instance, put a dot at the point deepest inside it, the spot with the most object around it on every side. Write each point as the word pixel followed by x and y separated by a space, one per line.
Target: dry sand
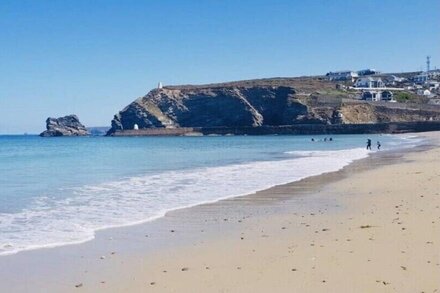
pixel 364 229
pixel 386 239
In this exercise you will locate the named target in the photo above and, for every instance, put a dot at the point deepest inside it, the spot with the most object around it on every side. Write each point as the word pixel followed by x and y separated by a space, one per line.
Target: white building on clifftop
pixel 345 75
pixel 369 82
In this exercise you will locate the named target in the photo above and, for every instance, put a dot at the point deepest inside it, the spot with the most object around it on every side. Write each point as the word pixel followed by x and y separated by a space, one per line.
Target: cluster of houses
pixel 349 75
pixel 372 85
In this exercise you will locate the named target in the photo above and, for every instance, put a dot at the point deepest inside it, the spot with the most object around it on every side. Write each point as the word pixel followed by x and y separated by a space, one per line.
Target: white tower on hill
pixel 159 86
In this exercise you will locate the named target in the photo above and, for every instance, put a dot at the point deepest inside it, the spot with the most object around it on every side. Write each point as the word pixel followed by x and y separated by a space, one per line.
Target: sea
pixel 60 191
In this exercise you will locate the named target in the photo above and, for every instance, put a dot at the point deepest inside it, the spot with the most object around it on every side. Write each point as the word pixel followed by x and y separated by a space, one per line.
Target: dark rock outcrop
pixel 213 107
pixel 258 103
pixel 64 126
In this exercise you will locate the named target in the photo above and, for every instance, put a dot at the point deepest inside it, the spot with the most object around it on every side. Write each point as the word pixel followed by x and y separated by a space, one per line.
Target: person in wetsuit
pixel 368 144
pixel 378 145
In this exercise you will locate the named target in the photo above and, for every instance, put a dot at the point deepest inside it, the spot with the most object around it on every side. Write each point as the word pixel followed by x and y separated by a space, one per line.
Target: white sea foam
pixel 54 222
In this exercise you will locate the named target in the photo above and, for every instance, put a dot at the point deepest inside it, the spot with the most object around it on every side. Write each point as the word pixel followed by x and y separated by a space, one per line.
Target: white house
pixel 423 92
pixel 378 95
pixel 342 75
pixel 369 82
pixel 393 79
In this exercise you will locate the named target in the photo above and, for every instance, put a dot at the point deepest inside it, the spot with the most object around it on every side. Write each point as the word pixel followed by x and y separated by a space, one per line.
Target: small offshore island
pixel 64 126
pixel 339 102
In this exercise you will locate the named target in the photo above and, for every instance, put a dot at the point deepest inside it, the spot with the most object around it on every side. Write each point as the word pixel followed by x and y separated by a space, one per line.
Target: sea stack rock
pixel 64 126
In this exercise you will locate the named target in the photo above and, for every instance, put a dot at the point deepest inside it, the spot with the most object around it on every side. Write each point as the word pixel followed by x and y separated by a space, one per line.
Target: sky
pixel 94 57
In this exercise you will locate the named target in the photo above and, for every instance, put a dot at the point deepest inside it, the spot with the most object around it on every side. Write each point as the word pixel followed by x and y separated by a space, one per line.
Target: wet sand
pixel 372 227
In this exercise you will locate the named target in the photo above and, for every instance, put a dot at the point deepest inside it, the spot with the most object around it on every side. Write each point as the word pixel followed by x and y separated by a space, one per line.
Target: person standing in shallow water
pixel 368 144
pixel 378 145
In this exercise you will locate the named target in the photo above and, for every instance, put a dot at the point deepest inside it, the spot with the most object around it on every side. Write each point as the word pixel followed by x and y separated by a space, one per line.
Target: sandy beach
pixel 372 227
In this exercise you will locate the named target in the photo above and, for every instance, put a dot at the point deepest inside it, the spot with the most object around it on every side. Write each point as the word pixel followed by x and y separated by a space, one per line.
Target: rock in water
pixel 64 126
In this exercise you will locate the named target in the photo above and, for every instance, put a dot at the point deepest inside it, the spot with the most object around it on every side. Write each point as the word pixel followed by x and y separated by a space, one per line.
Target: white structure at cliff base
pixel 135 127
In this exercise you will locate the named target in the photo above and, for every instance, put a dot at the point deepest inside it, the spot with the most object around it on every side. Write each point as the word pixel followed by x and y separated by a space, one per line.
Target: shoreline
pixel 296 129
pixel 207 202
pixel 300 196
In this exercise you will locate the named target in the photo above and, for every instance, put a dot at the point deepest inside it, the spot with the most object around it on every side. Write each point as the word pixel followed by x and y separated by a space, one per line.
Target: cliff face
pixel 64 126
pixel 356 113
pixel 256 103
pixel 214 107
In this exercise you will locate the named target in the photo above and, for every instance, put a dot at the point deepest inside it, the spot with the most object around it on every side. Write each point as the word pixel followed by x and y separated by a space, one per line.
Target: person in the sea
pixel 378 145
pixel 325 138
pixel 330 139
pixel 313 139
pixel 368 144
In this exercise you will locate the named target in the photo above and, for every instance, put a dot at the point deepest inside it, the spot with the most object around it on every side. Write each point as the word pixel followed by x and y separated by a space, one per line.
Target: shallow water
pixel 56 191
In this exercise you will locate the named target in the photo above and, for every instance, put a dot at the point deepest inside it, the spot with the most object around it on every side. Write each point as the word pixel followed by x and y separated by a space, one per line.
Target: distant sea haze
pixel 61 191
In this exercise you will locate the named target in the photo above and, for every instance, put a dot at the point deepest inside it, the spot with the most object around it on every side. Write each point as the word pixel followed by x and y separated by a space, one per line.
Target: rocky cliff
pixel 258 103
pixel 64 126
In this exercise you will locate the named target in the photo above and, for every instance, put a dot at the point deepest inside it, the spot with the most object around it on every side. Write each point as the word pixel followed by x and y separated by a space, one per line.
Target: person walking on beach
pixel 368 144
pixel 378 145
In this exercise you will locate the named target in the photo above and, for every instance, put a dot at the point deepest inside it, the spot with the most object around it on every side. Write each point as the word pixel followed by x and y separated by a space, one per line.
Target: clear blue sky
pixel 92 58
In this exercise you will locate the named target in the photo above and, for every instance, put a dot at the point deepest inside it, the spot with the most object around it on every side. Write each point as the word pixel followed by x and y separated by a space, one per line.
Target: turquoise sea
pixel 58 191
